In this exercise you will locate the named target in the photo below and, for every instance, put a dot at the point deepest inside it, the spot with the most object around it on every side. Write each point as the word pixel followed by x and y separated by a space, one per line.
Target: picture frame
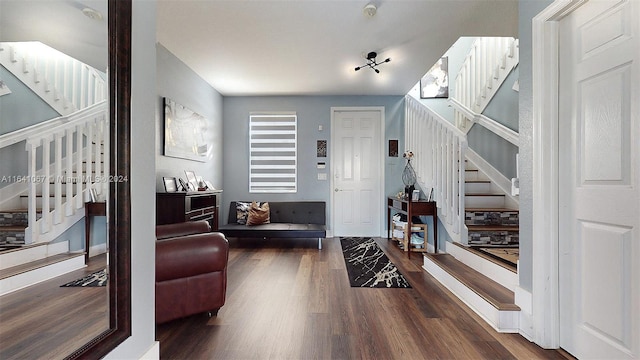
pixel 415 195
pixel 170 184
pixel 93 194
pixel 187 134
pixel 184 185
pixel 192 180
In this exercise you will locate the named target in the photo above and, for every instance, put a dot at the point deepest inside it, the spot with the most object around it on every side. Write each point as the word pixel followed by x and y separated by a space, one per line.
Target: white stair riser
pixel 471 175
pixel 33 277
pixel 471 201
pixel 495 272
pixel 505 321
pixel 23 256
pixel 477 188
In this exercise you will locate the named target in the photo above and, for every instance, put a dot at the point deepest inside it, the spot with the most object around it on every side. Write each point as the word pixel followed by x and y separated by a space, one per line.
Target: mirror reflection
pixel 54 176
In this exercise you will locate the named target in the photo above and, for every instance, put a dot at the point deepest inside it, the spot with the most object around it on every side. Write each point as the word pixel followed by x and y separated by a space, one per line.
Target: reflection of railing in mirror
pixel 106 317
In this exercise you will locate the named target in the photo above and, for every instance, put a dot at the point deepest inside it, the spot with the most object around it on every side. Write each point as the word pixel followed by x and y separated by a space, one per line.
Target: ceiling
pixel 311 47
pixel 279 47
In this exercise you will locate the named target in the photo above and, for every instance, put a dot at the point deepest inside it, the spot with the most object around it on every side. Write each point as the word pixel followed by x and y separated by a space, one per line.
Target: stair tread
pixel 483 194
pixel 477 181
pixel 493 227
pixel 23 268
pixel 482 209
pixel 494 293
pixel 13 228
pixel 486 257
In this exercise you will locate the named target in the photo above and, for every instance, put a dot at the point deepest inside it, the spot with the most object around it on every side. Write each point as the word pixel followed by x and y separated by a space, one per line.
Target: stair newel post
pixel 44 190
pixel 57 185
pixel 88 167
pixel 31 234
pixel 68 171
pixel 79 156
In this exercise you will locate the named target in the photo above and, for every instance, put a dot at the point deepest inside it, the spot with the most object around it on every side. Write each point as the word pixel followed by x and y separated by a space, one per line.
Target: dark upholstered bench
pixel 289 219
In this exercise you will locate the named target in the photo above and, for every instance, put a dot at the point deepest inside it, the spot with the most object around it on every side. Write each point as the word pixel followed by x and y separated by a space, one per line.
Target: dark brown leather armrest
pixel 181 229
pixel 191 255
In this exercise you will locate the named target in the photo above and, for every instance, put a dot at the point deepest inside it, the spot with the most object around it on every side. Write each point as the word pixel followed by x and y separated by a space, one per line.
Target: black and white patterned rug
pixel 369 266
pixel 98 278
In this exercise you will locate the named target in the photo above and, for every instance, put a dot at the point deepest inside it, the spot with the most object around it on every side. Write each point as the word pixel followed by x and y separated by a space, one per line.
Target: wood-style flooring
pixel 46 321
pixel 288 300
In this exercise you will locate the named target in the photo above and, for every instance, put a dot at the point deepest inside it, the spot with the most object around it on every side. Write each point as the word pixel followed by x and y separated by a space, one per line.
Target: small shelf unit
pixel 403 236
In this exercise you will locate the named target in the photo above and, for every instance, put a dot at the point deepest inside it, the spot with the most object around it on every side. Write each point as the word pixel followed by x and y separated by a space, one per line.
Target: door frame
pixel 381 185
pixel 545 152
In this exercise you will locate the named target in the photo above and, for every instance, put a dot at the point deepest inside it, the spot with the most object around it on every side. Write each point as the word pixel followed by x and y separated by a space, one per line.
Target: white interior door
pixel 599 197
pixel 357 172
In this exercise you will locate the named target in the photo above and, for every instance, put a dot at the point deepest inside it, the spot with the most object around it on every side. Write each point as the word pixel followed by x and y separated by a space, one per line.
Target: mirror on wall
pixel 64 122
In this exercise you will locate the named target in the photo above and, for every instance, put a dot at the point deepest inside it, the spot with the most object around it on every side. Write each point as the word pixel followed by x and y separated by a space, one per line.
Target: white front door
pixel 356 156
pixel 599 197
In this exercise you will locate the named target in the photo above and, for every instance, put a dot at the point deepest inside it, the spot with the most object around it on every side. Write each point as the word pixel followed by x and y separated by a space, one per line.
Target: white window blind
pixel 273 153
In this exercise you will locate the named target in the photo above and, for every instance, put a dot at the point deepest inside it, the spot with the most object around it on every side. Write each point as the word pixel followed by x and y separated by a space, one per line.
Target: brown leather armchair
pixel 191 270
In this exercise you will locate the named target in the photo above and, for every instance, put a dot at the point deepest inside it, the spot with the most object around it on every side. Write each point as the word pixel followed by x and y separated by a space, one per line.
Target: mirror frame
pixel 119 204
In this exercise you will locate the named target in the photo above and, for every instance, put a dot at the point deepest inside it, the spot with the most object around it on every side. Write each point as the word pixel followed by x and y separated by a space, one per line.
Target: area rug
pixel 369 266
pixel 98 278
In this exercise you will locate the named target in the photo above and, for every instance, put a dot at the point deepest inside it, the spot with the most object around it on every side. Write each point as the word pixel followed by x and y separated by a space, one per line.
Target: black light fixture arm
pixel 372 63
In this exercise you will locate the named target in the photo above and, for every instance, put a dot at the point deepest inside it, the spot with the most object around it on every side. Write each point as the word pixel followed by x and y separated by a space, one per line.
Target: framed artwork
pixel 321 148
pixel 435 83
pixel 187 134
pixel 170 184
pixel 393 148
pixel 192 180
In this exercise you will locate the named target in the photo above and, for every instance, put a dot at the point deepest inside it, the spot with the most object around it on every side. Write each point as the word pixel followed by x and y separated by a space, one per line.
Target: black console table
pixel 175 207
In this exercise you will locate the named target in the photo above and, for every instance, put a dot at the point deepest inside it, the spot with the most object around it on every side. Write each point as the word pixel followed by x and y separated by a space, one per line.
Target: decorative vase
pixel 409 179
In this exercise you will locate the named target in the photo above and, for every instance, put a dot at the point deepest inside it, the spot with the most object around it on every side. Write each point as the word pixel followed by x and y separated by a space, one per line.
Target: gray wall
pixel 527 10
pixel 312 112
pixel 22 107
pixel 179 83
pixel 503 107
pixel 143 174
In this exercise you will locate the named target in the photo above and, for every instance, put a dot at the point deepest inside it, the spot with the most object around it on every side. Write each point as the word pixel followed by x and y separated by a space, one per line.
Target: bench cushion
pixel 275 230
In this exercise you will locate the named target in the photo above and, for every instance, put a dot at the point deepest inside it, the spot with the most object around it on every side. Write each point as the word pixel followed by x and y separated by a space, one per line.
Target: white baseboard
pixel 153 353
pixel 524 300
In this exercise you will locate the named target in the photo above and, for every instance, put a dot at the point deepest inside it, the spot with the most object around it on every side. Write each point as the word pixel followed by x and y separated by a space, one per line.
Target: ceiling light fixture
pixel 372 63
pixel 370 10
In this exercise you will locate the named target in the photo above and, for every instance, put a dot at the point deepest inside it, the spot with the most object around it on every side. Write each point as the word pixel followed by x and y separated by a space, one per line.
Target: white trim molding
pixel 545 289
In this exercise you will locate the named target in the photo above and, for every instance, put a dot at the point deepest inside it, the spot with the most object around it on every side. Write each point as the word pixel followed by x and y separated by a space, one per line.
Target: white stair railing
pixel 439 148
pixel 67 156
pixel 484 70
pixel 65 83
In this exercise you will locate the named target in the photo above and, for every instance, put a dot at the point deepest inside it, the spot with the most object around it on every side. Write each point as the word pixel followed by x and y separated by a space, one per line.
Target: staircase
pixel 66 162
pixel 484 281
pixel 475 206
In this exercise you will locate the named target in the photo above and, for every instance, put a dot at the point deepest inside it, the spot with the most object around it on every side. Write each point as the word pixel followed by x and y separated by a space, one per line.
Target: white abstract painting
pixel 187 134
pixel 435 83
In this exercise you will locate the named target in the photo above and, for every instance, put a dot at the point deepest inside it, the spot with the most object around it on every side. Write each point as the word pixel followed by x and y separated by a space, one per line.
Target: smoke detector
pixel 92 14
pixel 370 10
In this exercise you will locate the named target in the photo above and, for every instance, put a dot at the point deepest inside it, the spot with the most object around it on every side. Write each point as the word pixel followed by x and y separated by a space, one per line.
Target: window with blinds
pixel 273 153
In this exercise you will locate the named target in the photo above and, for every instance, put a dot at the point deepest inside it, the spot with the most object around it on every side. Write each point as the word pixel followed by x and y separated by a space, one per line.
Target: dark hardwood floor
pixel 46 321
pixel 288 300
